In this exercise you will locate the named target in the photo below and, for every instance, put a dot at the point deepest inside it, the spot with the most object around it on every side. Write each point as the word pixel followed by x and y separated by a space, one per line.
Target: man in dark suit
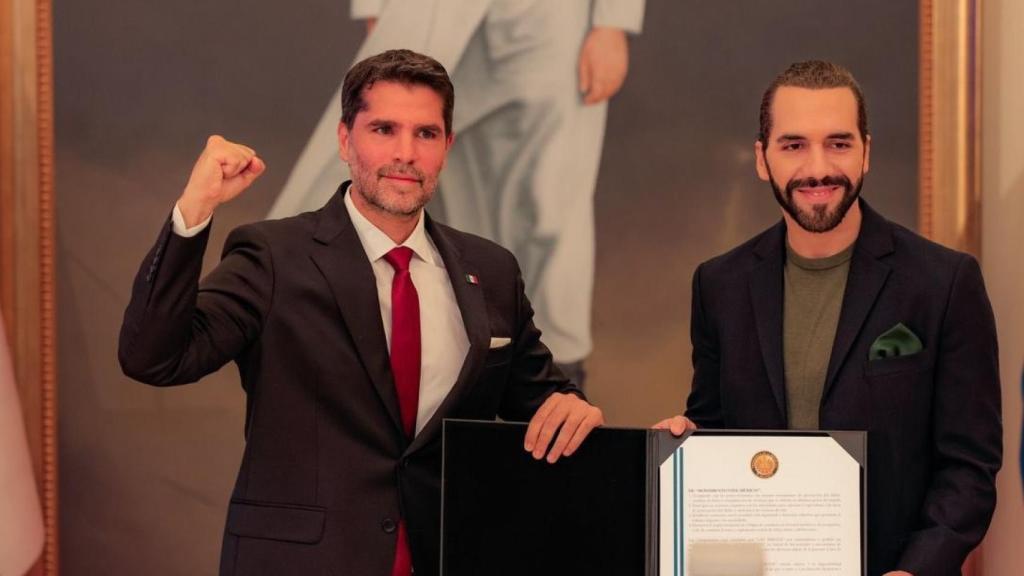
pixel 356 329
pixel 836 318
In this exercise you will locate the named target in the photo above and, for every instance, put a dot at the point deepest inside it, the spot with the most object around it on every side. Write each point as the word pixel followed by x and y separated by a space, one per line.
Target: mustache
pixel 400 170
pixel 830 180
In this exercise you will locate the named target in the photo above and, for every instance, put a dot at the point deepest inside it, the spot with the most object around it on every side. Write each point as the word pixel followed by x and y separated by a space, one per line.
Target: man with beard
pixel 534 80
pixel 838 319
pixel 356 329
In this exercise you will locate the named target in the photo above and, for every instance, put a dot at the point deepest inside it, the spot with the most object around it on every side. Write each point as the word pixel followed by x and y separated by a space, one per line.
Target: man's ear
pixel 449 139
pixel 343 141
pixel 867 153
pixel 760 162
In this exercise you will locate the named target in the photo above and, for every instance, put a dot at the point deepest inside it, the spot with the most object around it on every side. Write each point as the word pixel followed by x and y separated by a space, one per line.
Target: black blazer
pixel 933 418
pixel 327 471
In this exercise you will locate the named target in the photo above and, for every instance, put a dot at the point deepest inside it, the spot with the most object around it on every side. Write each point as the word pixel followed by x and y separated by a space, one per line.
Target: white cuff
pixel 627 15
pixel 363 9
pixel 179 227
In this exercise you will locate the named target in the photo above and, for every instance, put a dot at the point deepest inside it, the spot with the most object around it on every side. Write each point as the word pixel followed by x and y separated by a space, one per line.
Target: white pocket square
pixel 498 342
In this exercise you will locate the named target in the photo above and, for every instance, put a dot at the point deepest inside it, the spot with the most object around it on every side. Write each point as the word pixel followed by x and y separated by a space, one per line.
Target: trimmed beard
pixel 820 220
pixel 369 187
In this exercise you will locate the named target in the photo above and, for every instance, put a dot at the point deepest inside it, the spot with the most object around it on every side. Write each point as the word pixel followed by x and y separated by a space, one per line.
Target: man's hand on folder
pixel 676 424
pixel 569 415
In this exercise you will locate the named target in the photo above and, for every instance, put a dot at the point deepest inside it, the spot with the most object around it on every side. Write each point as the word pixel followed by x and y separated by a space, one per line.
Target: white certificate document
pixel 760 504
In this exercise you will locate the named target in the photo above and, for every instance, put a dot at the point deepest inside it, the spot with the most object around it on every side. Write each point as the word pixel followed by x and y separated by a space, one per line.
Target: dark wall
pixel 145 473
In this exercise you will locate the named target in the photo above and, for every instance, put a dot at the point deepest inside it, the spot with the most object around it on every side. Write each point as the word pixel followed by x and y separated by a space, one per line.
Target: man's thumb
pixel 254 170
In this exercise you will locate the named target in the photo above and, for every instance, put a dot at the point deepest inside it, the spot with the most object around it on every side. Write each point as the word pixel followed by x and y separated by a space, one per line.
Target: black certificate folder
pixel 619 506
pixel 504 513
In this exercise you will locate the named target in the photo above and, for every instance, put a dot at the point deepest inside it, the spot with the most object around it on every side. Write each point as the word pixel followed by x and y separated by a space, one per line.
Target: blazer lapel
pixel 340 256
pixel 766 297
pixel 866 278
pixel 470 298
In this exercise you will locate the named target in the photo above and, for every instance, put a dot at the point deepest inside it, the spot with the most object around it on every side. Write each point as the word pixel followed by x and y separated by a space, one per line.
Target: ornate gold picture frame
pixel 949 196
pixel 27 248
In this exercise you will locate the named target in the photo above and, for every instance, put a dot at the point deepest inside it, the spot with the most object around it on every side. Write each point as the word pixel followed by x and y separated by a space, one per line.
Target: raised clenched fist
pixel 223 171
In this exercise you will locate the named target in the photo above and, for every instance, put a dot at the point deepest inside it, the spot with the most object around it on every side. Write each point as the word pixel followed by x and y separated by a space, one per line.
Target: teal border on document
pixel 677 510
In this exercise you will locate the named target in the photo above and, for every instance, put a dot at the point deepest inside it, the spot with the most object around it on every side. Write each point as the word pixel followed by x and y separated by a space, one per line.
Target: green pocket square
pixel 897 341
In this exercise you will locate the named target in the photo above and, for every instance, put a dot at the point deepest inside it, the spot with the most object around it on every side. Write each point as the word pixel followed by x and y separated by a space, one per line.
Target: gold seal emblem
pixel 764 464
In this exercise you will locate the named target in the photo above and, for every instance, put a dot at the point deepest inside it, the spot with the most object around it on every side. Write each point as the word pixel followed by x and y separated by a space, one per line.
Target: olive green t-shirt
pixel 814 290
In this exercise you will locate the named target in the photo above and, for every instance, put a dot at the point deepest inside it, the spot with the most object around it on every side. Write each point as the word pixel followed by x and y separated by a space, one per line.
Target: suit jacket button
pixel 388 525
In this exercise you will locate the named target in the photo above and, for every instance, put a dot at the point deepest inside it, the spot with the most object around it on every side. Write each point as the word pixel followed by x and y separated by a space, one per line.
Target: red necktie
pixel 405 367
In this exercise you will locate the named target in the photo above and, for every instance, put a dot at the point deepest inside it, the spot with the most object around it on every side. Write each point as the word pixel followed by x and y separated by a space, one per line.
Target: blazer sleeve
pixel 627 15
pixel 533 375
pixel 704 404
pixel 176 331
pixel 967 432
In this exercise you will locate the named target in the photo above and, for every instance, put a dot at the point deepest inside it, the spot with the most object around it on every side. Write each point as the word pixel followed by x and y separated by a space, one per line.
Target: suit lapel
pixel 470 298
pixel 866 278
pixel 340 256
pixel 766 297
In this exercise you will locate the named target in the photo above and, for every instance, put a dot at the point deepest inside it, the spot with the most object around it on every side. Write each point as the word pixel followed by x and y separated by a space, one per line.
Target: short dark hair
pixel 816 75
pixel 402 66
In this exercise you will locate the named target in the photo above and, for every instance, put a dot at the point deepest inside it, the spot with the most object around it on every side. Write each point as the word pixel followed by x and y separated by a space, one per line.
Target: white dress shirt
pixel 443 338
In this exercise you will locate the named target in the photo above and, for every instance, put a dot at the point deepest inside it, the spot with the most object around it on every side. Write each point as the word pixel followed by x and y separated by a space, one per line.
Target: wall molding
pixel 27 239
pixel 949 196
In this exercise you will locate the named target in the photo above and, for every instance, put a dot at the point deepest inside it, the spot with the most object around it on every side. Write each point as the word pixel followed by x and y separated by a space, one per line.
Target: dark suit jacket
pixel 933 418
pixel 327 471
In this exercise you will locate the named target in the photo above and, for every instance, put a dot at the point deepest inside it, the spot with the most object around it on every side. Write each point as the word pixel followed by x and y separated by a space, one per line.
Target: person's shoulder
pixel 286 236
pixel 921 263
pixel 912 246
pixel 922 260
pixel 740 259
pixel 303 225
pixel 473 247
pixel 291 224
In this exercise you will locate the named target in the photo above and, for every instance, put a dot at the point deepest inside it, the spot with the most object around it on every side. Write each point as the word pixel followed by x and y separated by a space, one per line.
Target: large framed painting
pixel 99 126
